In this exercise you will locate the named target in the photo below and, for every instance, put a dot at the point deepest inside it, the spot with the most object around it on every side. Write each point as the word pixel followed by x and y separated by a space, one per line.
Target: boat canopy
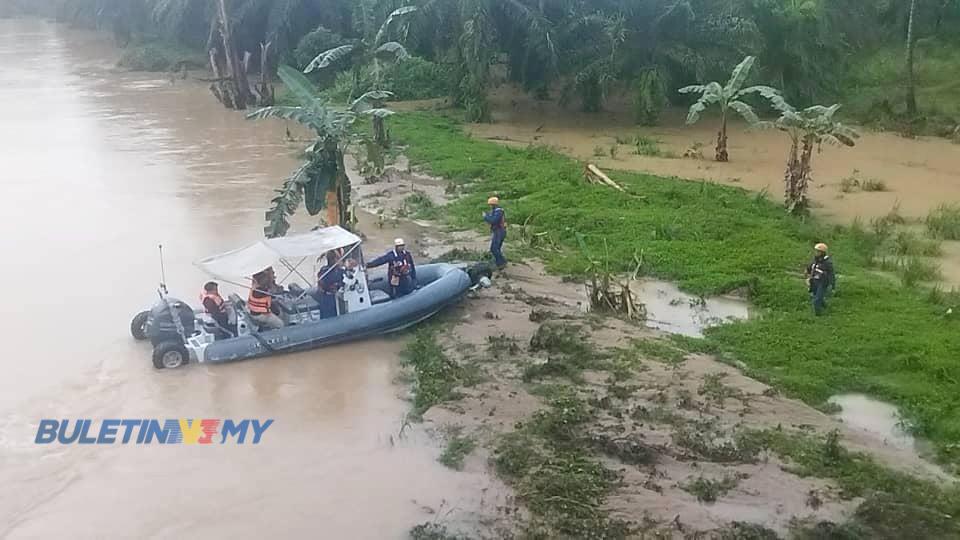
pixel 290 250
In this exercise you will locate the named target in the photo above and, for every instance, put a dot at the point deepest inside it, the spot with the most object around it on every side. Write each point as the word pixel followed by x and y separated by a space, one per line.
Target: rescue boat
pixel 181 334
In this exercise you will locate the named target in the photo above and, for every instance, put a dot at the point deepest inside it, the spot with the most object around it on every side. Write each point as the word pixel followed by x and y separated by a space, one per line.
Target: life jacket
pixel 213 296
pixel 400 265
pixel 261 305
pixel 502 222
pixel 818 270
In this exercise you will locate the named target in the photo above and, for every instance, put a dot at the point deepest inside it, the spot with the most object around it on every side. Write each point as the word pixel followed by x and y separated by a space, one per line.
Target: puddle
pixel 671 310
pixel 875 417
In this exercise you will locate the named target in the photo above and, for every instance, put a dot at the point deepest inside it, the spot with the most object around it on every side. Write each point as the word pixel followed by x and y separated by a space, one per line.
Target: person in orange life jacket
pixel 498 230
pixel 260 302
pixel 401 271
pixel 329 281
pixel 214 305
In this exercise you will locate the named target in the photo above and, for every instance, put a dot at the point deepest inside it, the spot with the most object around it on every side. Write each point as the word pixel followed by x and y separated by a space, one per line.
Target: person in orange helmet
pixel 821 278
pixel 498 230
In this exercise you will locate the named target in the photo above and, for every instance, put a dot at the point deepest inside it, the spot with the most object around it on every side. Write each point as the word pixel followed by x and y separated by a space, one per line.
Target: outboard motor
pixel 480 274
pixel 161 326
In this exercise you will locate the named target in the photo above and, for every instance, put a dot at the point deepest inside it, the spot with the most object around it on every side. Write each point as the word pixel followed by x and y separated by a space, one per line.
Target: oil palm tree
pixel 322 181
pixel 373 49
pixel 729 97
pixel 808 129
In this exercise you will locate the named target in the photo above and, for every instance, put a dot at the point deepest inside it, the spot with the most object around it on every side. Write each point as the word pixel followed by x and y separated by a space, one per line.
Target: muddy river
pixel 98 168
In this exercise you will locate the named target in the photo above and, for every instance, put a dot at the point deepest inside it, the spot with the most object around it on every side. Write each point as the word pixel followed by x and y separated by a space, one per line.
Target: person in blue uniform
pixel 821 278
pixel 498 231
pixel 401 271
pixel 329 282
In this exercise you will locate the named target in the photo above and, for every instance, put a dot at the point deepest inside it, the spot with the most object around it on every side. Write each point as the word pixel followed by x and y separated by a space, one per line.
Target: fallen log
pixel 594 175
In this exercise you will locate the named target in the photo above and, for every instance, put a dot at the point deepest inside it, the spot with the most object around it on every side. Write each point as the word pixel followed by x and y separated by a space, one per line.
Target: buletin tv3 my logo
pixel 152 431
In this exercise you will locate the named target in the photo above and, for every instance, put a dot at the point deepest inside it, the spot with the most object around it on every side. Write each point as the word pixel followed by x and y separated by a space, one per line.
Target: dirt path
pixel 664 423
pixel 919 174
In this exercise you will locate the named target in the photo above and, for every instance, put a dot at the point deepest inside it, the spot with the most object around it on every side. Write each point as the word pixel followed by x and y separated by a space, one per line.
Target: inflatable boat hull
pixel 444 285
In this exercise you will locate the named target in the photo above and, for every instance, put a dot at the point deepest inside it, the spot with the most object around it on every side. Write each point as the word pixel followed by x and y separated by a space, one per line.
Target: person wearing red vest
pixel 401 270
pixel 260 302
pixel 214 305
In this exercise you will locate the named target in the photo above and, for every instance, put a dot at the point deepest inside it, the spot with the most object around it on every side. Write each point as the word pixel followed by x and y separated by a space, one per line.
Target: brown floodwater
pixel 98 168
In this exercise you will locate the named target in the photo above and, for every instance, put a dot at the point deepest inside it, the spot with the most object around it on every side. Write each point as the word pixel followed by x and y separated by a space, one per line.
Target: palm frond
pixel 739 77
pixel 744 110
pixel 774 96
pixel 695 111
pixel 385 27
pixel 379 113
pixel 297 84
pixel 393 49
pixel 370 97
pixel 285 203
pixel 328 57
pixel 693 89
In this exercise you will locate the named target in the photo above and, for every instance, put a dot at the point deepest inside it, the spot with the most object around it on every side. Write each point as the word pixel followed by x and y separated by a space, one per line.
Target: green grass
pixel 435 375
pixel 944 222
pixel 896 504
pixel 877 338
pixel 708 490
pixel 458 448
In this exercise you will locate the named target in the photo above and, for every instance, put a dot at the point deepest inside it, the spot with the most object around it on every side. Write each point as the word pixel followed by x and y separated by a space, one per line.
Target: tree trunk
pixel 805 169
pixel 380 132
pixel 722 139
pixel 338 198
pixel 791 179
pixel 232 88
pixel 263 89
pixel 911 89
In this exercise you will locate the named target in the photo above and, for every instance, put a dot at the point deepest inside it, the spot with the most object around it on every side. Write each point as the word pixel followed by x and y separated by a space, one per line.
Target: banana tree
pixel 807 128
pixel 728 97
pixel 371 104
pixel 322 182
pixel 372 50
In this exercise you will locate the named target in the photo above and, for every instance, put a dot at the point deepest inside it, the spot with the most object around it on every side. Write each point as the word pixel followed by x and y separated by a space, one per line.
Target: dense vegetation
pixel 897 342
pixel 581 52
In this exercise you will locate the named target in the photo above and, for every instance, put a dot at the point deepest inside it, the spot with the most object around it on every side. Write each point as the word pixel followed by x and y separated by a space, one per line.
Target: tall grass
pixel 944 222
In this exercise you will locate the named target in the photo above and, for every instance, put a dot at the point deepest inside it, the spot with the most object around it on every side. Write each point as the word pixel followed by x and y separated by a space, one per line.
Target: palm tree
pixel 371 104
pixel 371 50
pixel 911 87
pixel 322 181
pixel 728 97
pixel 808 128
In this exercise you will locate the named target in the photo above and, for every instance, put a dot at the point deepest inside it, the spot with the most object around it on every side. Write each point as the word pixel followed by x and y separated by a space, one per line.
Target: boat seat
pixel 378 297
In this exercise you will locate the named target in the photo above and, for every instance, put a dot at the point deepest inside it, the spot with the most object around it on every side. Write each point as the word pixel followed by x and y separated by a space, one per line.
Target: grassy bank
pixel 880 338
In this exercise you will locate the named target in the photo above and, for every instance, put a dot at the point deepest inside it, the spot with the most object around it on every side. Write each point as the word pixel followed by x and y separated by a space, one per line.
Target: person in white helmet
pixel 401 271
pixel 821 278
pixel 498 230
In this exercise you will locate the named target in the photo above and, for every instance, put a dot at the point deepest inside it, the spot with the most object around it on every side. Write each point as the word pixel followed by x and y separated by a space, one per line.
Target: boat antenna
pixel 163 275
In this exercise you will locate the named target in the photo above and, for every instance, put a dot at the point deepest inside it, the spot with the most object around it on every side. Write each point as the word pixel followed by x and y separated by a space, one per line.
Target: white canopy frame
pixel 237 265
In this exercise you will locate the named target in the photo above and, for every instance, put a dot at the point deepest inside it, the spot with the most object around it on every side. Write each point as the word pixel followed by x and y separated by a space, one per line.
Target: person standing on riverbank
pixel 498 231
pixel 821 278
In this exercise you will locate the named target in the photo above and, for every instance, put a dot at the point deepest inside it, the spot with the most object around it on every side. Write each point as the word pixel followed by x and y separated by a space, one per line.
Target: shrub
pixel 944 222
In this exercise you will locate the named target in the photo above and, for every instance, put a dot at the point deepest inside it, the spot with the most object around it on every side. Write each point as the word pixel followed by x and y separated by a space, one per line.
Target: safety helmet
pixel 399 242
pixel 821 247
pixel 493 200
